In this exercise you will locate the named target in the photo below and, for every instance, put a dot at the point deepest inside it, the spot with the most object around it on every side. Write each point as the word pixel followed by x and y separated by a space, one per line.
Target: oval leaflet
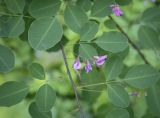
pixel 142 76
pixel 45 98
pixel 37 71
pixel 112 41
pixel 44 33
pixel 7 59
pixel 12 92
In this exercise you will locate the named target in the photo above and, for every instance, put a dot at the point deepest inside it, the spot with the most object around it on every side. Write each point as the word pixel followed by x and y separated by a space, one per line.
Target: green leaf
pixel 3 10
pixel 45 98
pixel 84 4
pixel 88 31
pixel 12 26
pixel 118 113
pixel 57 47
pixel 7 59
pixel 148 38
pixel 124 53
pixel 45 33
pixel 39 8
pixel 12 93
pixel 24 35
pixel 110 24
pixel 101 8
pixel 118 96
pixel 113 68
pixel 151 15
pixel 15 6
pixel 87 51
pixel 112 41
pixel 110 111
pixel 75 18
pixel 35 113
pixel 153 99
pixel 37 71
pixel 152 19
pixel 142 76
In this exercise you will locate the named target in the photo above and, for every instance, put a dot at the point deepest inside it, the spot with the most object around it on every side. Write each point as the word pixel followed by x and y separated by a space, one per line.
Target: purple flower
pixel 99 60
pixel 77 64
pixel 88 67
pixel 116 10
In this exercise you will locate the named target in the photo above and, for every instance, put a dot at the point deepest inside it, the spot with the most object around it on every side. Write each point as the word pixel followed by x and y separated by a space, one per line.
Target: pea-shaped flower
pixel 76 64
pixel 100 60
pixel 116 10
pixel 88 67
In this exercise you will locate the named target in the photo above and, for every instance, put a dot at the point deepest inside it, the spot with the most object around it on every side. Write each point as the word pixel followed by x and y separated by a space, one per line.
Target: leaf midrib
pixel 5 64
pixel 112 68
pixel 35 70
pixel 98 42
pixel 89 31
pixel 17 5
pixel 141 77
pixel 74 17
pixel 14 93
pixel 45 33
pixel 121 99
pixel 41 8
pixel 15 26
pixel 98 11
pixel 85 51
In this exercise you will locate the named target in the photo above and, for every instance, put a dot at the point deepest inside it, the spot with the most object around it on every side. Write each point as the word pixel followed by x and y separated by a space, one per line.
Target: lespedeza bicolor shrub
pixel 111 66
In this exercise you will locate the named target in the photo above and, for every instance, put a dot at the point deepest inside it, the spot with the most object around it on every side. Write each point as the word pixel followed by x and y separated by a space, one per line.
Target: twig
pixel 130 41
pixel 99 84
pixel 91 85
pixel 72 83
pixel 91 90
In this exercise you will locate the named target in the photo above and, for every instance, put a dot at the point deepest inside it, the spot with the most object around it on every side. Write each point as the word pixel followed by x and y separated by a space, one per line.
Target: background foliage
pixel 33 77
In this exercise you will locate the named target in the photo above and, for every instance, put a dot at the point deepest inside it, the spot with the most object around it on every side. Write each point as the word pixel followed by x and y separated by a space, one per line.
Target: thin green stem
pixel 90 90
pixel 130 41
pixel 14 15
pixel 91 85
pixel 80 43
pixel 98 84
pixel 72 82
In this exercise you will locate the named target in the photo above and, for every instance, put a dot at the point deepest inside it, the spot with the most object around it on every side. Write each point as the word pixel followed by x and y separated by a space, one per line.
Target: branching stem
pixel 130 41
pixel 72 83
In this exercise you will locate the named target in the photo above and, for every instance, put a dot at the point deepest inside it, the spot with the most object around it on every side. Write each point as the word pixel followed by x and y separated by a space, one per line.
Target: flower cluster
pixel 97 60
pixel 116 10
